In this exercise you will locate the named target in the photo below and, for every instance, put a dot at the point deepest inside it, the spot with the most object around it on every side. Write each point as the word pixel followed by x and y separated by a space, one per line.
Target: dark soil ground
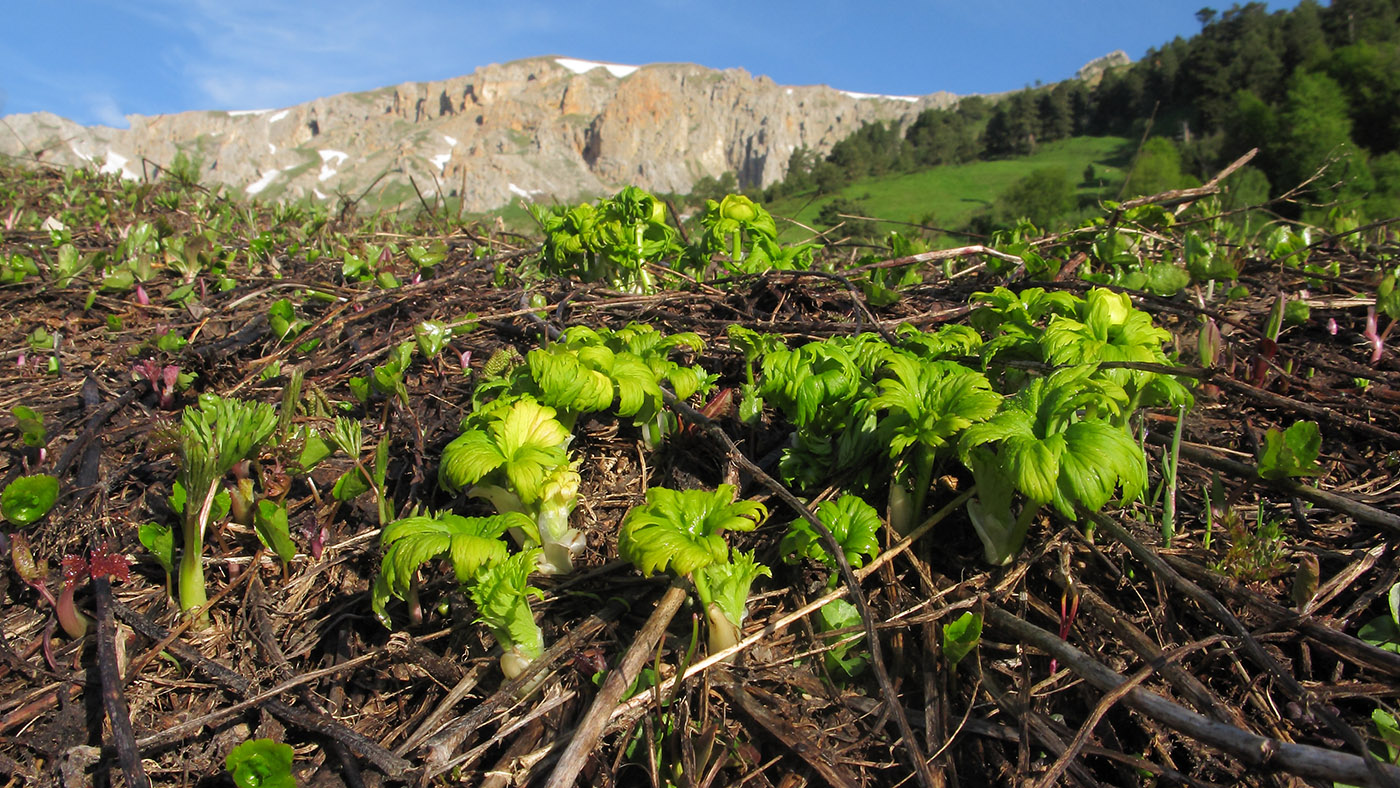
pixel 1116 661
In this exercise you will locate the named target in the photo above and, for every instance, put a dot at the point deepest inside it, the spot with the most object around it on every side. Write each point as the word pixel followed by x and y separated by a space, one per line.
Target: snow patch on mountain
pixel 263 182
pixel 116 164
pixel 585 66
pixel 855 95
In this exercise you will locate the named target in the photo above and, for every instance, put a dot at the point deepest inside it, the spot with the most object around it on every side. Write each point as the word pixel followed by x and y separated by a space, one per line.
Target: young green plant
pixel 1054 441
pixel 683 531
pixel 517 458
pixel 214 436
pixel 854 524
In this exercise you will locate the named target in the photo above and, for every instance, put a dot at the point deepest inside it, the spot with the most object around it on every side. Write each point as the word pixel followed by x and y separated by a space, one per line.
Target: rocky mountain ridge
pixel 544 129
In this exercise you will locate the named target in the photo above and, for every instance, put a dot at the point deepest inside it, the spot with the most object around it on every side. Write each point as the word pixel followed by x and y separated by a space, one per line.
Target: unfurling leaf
pixel 961 636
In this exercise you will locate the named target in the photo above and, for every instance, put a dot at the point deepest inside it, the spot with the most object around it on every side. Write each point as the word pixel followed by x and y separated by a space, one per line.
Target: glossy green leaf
pixel 961 636
pixel 28 498
pixel 270 524
pixel 261 763
pixel 682 529
pixel 853 522
pixel 159 540
pixel 470 543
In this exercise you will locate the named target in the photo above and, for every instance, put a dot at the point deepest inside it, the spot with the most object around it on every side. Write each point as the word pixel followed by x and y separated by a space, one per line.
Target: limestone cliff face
pixel 543 129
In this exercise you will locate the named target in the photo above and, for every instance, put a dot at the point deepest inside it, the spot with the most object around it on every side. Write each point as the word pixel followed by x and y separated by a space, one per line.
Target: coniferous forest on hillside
pixel 1313 86
pixel 1053 440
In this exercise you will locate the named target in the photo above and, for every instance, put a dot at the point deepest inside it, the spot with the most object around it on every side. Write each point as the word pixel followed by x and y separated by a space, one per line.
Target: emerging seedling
pixel 518 459
pixel 470 543
pixel 214 437
pixel 502 592
pixel 682 530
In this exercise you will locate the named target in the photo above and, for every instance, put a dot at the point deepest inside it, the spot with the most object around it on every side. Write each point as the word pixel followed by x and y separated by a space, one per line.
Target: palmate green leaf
pixel 218 434
pixel 726 585
pixel 813 385
pixel 569 382
pixel 524 442
pixel 931 402
pixel 638 393
pixel 682 529
pixel 851 520
pixel 950 341
pixel 1053 443
pixel 1098 457
pixel 753 344
pixel 469 542
pixel 501 593
pixel 1034 465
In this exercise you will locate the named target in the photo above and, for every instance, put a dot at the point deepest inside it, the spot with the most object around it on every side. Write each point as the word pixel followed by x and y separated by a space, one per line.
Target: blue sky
pixel 96 60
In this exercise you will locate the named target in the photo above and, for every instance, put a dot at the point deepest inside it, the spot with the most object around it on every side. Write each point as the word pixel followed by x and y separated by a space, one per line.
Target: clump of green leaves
pixel 515 455
pixel 1055 442
pixel 683 531
pixel 590 371
pixel 1291 452
pixel 854 524
pixel 502 594
pixel 613 241
pixel 214 436
pixel 469 543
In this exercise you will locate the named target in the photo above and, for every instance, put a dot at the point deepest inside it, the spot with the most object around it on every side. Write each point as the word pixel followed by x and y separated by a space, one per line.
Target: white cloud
pixel 270 53
pixel 104 108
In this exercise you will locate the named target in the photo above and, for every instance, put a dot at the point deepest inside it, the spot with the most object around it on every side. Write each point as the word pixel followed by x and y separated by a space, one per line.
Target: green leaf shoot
pixel 961 636
pixel 261 763
pixel 1291 452
pixel 28 498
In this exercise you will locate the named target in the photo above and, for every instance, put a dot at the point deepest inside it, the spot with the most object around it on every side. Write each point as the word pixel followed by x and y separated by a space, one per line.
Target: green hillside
pixel 949 195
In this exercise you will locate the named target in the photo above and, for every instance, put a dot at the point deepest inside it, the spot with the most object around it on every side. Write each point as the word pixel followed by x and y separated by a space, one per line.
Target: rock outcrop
pixel 543 129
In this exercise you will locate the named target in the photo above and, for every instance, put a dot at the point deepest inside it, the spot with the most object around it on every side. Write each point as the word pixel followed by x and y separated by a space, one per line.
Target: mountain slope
pixel 544 128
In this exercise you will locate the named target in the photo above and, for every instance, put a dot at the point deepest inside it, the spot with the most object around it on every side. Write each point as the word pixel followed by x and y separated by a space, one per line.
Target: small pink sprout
pixel 1377 344
pixel 162 379
pixel 75 573
pixel 1332 326
pixel 141 297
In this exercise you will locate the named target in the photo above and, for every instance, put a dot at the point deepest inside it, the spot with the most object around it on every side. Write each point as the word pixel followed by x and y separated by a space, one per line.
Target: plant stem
pixel 192 593
pixel 1169 473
